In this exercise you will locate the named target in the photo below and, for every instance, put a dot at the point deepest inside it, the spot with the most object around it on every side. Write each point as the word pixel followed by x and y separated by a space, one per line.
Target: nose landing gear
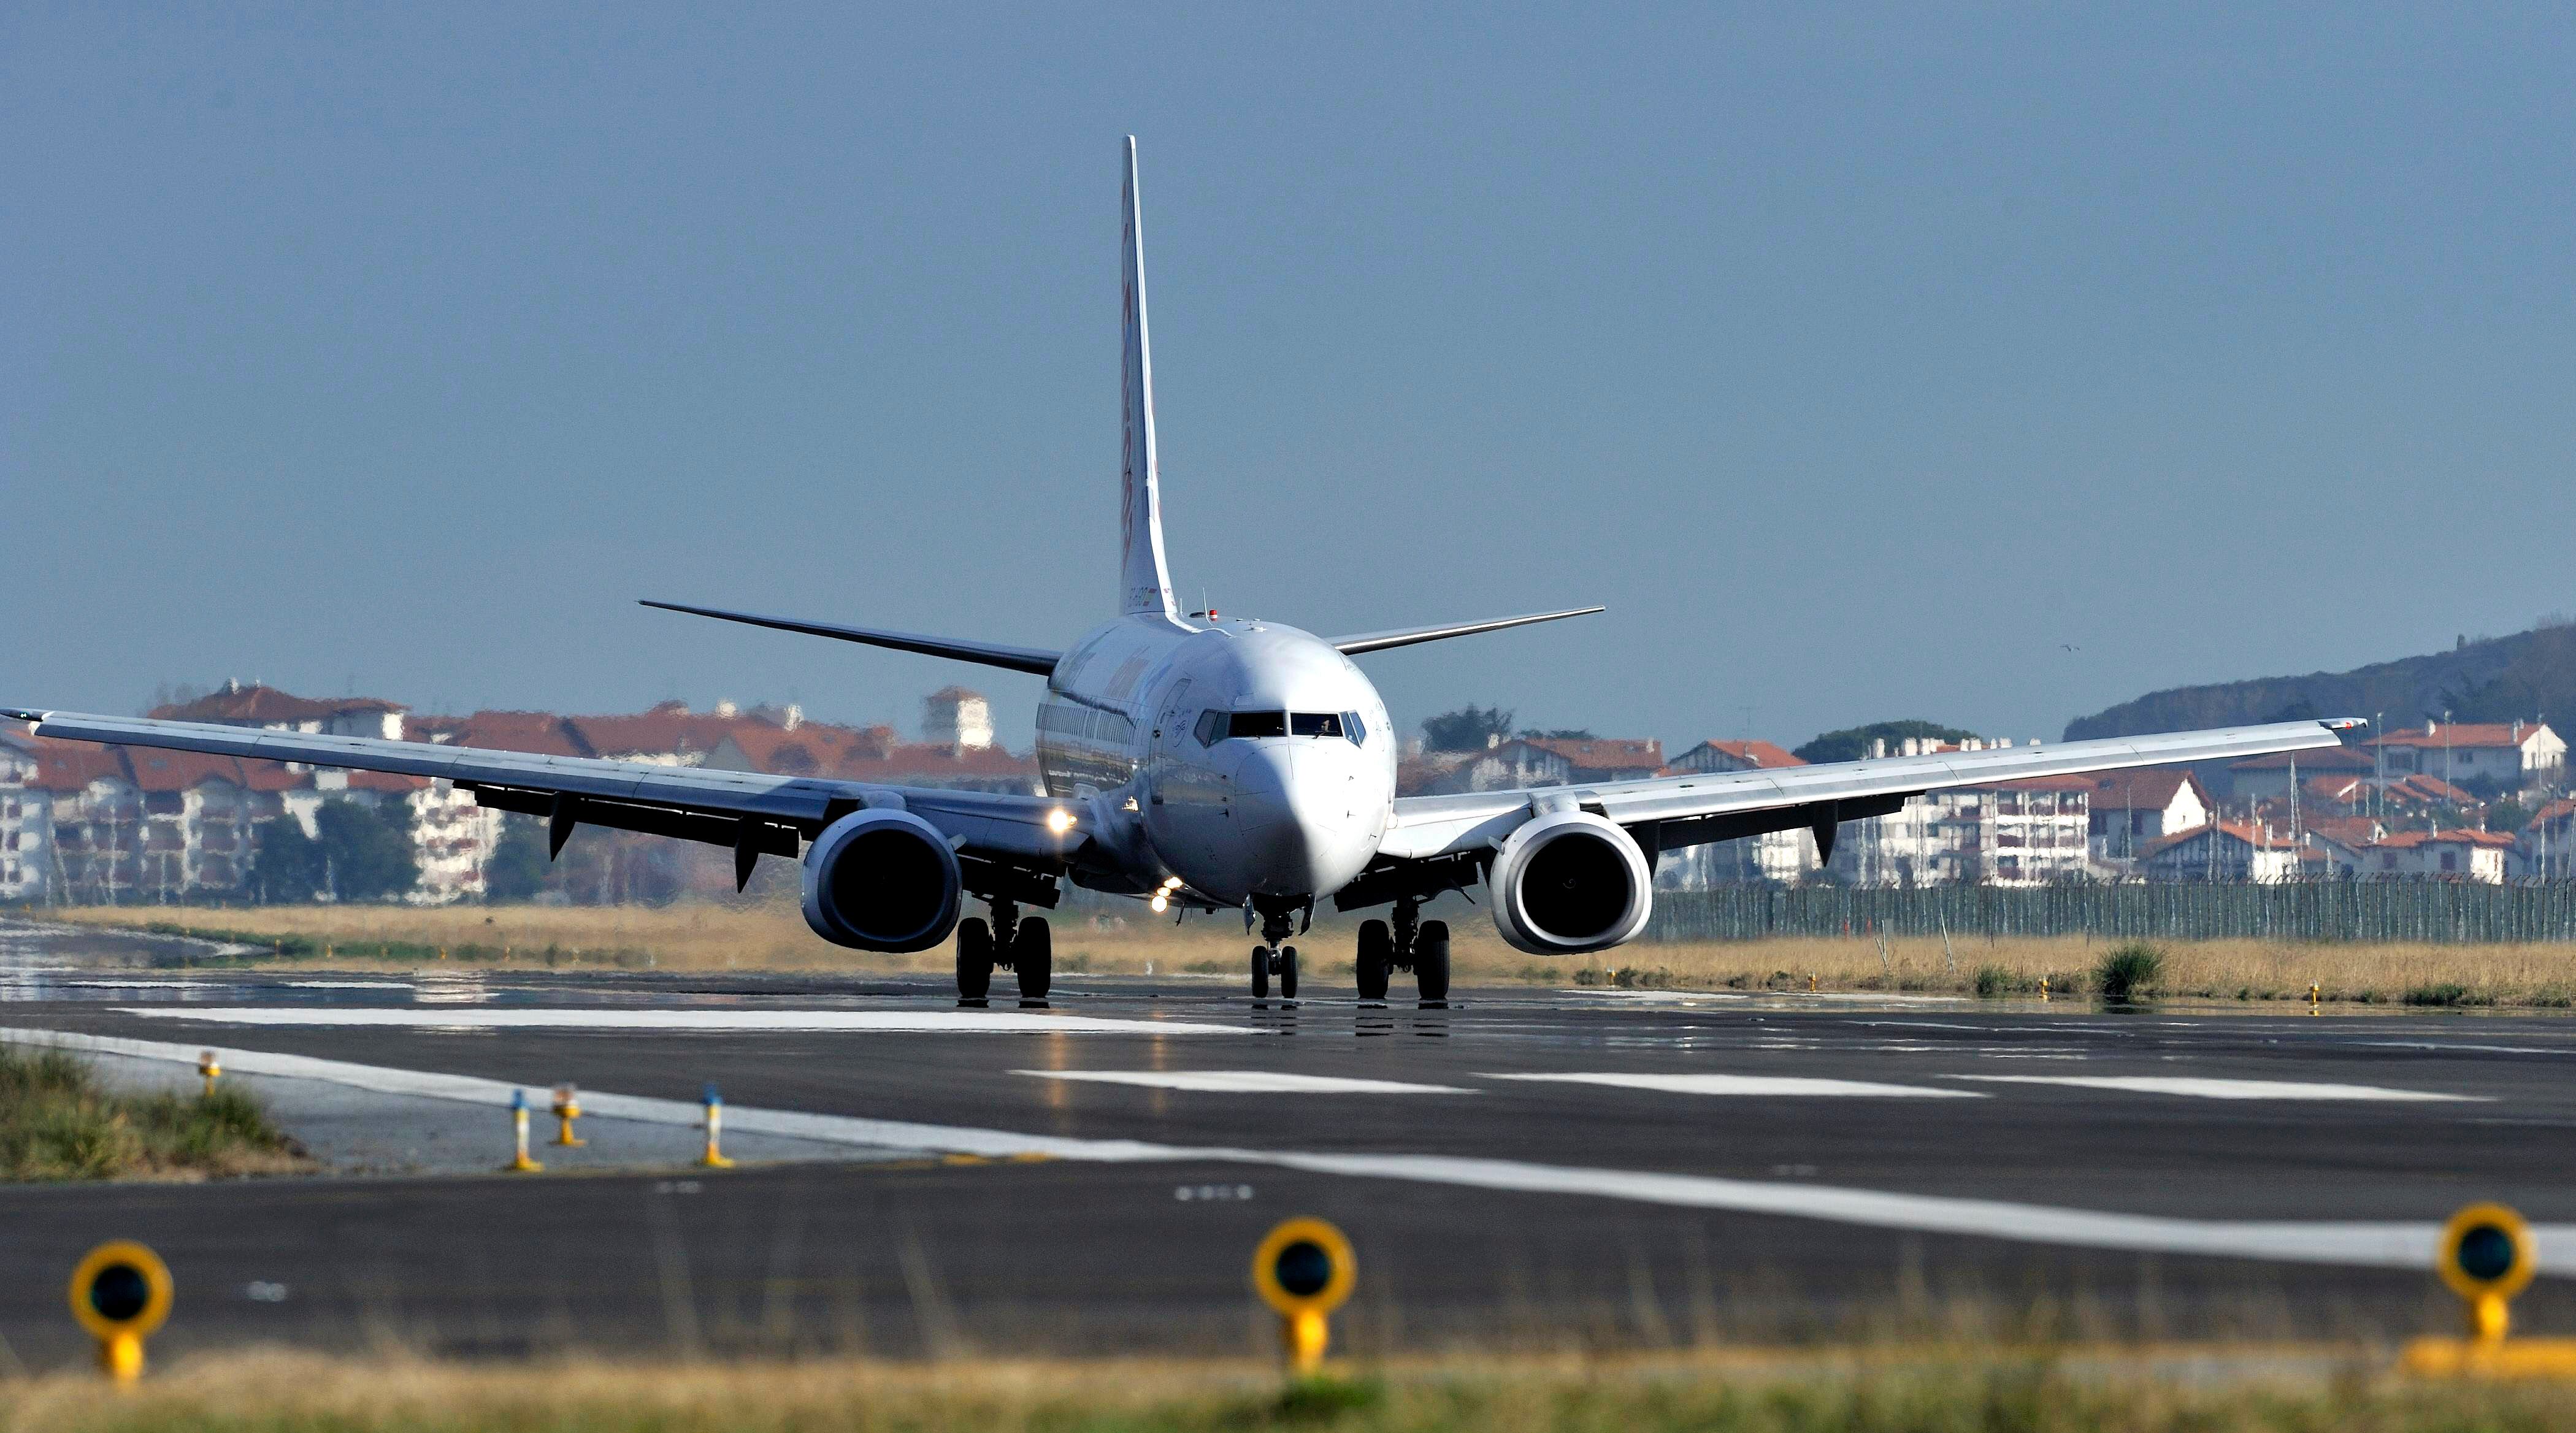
pixel 1025 947
pixel 1410 944
pixel 1272 958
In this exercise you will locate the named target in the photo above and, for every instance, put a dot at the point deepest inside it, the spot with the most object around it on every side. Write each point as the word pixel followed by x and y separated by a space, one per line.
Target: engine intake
pixel 1569 882
pixel 882 880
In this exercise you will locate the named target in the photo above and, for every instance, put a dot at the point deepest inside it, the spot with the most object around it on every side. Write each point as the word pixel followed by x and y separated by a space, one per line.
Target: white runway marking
pixel 1245 1082
pixel 2212 1089
pixel 345 984
pixel 1654 997
pixel 1783 1085
pixel 2386 1245
pixel 689 1021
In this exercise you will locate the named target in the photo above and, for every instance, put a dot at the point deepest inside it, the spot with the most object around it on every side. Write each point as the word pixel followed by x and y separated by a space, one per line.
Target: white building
pixel 2230 851
pixel 954 716
pixel 2011 833
pixel 2491 756
pixel 2460 855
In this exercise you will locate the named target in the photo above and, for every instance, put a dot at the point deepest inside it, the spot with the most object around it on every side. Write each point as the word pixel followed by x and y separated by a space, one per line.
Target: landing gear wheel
pixel 1431 961
pixel 1261 972
pixel 1287 972
pixel 1377 953
pixel 974 958
pixel 1033 955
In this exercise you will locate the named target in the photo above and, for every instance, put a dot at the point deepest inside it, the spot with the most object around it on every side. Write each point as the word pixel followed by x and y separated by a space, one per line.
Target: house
pixel 2229 851
pixel 2459 855
pixel 2490 756
pixel 2128 810
pixel 2260 776
pixel 269 709
pixel 1774 857
pixel 2546 846
pixel 1550 761
pixel 26 826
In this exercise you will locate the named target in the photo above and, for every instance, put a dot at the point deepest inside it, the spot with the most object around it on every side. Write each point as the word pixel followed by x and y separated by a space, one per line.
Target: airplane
pixel 1194 761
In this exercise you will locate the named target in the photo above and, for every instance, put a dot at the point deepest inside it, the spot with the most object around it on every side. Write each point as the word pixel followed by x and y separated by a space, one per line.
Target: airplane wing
pixel 1671 812
pixel 991 654
pixel 752 812
pixel 1357 643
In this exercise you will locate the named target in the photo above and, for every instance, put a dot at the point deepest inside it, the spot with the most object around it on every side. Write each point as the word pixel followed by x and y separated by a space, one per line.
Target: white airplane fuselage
pixel 1246 758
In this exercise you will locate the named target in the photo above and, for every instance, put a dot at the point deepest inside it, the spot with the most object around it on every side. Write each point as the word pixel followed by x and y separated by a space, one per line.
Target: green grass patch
pixel 2447 992
pixel 2129 971
pixel 58 1122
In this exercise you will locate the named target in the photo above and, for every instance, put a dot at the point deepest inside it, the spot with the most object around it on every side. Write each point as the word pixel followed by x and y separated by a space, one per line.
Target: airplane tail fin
pixel 1145 580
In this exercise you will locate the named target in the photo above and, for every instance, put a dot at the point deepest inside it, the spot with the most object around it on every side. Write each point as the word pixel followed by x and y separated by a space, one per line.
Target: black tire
pixel 1260 973
pixel 974 958
pixel 1033 956
pixel 1431 960
pixel 1377 955
pixel 1287 972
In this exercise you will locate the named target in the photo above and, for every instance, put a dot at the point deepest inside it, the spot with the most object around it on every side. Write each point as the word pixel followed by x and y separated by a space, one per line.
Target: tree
pixel 1466 729
pixel 1852 742
pixel 288 870
pixel 517 870
pixel 368 848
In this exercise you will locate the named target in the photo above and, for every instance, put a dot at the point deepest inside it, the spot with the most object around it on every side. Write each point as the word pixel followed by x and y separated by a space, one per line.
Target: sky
pixel 1982 364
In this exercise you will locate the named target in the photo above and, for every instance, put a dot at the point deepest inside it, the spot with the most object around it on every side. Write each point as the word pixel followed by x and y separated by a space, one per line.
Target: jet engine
pixel 882 880
pixel 1569 882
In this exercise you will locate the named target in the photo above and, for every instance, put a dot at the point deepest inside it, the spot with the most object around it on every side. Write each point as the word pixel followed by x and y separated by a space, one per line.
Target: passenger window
pixel 1211 727
pixel 1354 728
pixel 1315 724
pixel 1258 724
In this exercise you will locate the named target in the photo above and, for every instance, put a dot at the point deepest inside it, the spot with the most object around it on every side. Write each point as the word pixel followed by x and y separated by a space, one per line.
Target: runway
pixel 1540 1167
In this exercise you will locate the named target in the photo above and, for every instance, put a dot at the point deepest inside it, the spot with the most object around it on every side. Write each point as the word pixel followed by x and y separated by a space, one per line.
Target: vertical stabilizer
pixel 1145 581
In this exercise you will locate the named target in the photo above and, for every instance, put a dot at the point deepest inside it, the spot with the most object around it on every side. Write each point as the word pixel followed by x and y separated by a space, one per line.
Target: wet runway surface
pixel 1540 1166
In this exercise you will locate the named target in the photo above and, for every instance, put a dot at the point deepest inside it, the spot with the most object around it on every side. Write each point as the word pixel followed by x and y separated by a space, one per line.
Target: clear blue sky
pixel 1863 361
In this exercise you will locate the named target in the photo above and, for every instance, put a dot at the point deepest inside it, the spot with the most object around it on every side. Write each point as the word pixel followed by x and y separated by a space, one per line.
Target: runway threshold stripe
pixel 1007 1022
pixel 1762 1085
pixel 2393 1245
pixel 2217 1089
pixel 1237 1082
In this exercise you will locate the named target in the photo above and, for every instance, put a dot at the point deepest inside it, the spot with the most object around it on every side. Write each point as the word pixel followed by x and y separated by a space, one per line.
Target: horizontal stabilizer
pixel 991 654
pixel 1407 636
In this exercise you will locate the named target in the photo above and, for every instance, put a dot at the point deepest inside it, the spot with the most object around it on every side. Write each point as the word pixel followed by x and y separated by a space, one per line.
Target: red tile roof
pixel 2459 734
pixel 2562 807
pixel 1618 754
pixel 261 704
pixel 2151 788
pixel 2408 840
pixel 2320 759
pixel 1760 755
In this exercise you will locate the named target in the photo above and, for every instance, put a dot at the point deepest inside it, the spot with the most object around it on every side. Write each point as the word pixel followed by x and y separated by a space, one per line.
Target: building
pixel 954 716
pixel 2487 756
pixel 2029 832
pixel 269 709
pixel 1773 858
pixel 1732 756
pixel 2260 776
pixel 2230 851
pixel 2130 810
pixel 2546 846
pixel 1549 761
pixel 2459 855
pixel 26 827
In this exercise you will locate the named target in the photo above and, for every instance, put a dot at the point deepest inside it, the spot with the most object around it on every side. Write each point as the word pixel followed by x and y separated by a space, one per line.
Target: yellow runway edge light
pixel 1304 1269
pixel 2487 1257
pixel 121 1293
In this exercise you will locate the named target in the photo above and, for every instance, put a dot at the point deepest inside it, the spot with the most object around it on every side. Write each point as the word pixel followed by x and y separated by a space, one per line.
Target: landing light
pixel 1161 903
pixel 1059 821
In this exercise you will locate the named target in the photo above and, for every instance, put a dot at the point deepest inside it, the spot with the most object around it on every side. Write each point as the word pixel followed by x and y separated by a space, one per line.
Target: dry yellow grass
pixel 1856 1390
pixel 772 936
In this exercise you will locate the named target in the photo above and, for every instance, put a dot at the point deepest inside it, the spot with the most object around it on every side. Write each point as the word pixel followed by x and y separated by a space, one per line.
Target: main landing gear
pixel 1026 947
pixel 1413 944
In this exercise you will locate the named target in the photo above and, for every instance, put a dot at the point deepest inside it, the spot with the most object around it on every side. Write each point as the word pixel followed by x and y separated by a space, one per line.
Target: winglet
pixel 1145 580
pixel 25 714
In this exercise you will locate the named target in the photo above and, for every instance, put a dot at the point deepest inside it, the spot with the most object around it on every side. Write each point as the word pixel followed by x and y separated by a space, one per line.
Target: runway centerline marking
pixel 1245 1082
pixel 2198 1087
pixel 687 1021
pixel 1780 1085
pixel 2387 1245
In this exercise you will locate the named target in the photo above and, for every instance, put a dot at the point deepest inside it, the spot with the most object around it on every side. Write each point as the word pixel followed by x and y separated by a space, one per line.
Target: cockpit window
pixel 1354 728
pixel 1258 724
pixel 1314 724
pixel 1211 727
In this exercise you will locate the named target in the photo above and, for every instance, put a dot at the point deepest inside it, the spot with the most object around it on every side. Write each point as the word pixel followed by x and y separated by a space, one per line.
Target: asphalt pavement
pixel 1520 1168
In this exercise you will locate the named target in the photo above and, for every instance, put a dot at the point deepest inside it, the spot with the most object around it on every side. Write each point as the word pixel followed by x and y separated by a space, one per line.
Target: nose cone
pixel 1303 823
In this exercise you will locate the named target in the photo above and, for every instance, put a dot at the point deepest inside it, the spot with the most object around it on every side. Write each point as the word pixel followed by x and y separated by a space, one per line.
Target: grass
pixel 57 1122
pixel 260 1392
pixel 2129 971
pixel 771 935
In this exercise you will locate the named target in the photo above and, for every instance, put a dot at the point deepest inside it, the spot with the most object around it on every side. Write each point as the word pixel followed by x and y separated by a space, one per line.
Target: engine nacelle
pixel 1569 882
pixel 882 880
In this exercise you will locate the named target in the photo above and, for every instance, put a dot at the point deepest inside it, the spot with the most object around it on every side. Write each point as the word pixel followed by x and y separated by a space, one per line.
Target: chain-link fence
pixel 2433 911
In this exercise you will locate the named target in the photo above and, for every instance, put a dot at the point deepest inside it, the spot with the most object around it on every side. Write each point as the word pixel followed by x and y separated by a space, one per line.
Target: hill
pixel 2491 679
